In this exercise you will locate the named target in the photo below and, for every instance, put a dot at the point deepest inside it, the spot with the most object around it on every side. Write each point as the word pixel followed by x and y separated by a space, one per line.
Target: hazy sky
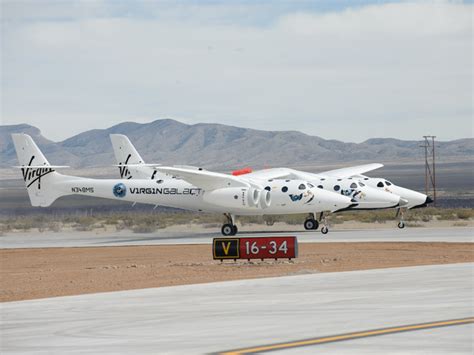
pixel 338 70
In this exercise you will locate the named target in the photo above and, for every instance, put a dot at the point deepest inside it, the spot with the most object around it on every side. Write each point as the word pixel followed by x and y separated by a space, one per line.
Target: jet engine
pixel 238 197
pixel 265 199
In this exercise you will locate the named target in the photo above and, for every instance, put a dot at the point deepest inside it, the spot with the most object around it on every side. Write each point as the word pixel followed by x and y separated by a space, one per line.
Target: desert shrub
pixel 464 213
pixel 54 226
pixel 144 228
pixel 83 227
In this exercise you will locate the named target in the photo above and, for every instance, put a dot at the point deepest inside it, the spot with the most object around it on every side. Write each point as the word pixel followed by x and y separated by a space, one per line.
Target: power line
pixel 430 166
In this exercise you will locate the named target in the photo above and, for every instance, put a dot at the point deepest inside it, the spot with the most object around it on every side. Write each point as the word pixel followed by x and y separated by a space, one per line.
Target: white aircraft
pixel 197 190
pixel 131 165
pixel 352 183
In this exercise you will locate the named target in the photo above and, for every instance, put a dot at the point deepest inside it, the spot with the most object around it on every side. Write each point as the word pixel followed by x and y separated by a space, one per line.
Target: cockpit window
pixel 310 185
pixel 270 180
pixel 320 187
pixel 388 183
pixel 268 188
pixel 339 179
pixel 287 180
pixel 159 181
pixel 361 184
pixel 380 184
pixel 322 179
pixel 284 189
pixel 353 185
pixel 366 178
pixel 302 187
pixel 337 187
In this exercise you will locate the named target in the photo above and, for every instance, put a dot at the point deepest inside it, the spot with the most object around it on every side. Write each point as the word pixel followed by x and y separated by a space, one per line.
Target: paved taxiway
pixel 91 239
pixel 223 316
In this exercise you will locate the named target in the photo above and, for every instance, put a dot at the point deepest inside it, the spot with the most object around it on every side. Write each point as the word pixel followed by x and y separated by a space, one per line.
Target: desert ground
pixel 48 272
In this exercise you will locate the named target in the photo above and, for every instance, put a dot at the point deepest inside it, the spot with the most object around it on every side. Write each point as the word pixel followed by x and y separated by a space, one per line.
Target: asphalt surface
pixel 218 317
pixel 91 239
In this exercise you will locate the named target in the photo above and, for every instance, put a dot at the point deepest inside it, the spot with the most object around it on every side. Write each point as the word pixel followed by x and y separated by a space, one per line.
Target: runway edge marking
pixel 349 336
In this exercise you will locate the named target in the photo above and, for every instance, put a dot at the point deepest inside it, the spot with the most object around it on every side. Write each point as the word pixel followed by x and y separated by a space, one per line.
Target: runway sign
pixel 255 248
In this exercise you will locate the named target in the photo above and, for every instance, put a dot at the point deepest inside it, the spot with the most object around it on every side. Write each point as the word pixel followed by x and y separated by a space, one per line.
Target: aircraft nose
pixel 333 200
pixel 387 197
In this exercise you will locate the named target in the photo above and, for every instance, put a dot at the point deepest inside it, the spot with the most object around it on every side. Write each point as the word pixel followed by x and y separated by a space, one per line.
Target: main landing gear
pixel 312 224
pixel 401 223
pixel 229 228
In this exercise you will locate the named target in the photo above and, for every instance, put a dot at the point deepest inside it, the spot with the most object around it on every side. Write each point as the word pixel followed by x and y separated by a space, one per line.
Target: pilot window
pixel 310 185
pixel 302 187
pixel 337 187
pixel 268 188
pixel 353 185
pixel 380 184
pixel 361 184
pixel 284 189
pixel 388 183
pixel 320 187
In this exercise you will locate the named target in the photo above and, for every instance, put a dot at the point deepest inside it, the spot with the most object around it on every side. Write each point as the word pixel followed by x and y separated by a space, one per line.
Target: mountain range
pixel 222 147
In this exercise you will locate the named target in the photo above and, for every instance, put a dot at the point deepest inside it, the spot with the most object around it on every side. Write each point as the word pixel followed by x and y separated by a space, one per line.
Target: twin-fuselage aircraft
pixel 265 192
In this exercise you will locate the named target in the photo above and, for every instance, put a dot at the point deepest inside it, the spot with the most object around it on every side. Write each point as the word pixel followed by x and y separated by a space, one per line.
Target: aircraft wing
pixel 273 173
pixel 351 171
pixel 206 180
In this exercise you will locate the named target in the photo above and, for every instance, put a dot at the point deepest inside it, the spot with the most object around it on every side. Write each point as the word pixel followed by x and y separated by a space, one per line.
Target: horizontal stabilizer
pixel 42 166
pixel 137 165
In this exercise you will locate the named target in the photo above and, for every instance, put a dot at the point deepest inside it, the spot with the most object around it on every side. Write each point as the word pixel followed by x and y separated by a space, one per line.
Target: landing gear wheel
pixel 235 229
pixel 401 224
pixel 311 224
pixel 228 229
pixel 324 230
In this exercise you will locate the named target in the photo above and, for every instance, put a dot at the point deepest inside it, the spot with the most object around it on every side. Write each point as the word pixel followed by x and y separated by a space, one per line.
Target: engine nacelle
pixel 265 199
pixel 237 197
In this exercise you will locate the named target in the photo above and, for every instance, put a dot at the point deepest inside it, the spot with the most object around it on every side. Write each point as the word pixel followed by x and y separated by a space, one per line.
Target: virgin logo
pixel 124 172
pixel 32 175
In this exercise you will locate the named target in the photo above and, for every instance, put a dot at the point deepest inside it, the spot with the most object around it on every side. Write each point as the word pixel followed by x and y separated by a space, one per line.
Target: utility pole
pixel 430 166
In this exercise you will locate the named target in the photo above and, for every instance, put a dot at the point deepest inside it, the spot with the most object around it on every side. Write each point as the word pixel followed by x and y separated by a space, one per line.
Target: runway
pixel 220 317
pixel 95 239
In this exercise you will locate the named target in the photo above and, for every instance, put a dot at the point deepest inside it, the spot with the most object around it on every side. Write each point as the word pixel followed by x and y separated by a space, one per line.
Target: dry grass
pixel 150 222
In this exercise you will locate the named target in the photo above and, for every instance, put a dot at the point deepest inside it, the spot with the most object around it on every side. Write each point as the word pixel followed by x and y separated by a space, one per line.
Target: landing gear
pixel 229 228
pixel 324 220
pixel 401 223
pixel 311 223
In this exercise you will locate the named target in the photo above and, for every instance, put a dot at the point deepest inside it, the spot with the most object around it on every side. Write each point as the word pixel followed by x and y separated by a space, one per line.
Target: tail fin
pixel 129 160
pixel 38 174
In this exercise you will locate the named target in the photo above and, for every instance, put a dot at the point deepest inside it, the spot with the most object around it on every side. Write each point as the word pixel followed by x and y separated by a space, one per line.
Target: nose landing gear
pixel 401 223
pixel 323 218
pixel 229 228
